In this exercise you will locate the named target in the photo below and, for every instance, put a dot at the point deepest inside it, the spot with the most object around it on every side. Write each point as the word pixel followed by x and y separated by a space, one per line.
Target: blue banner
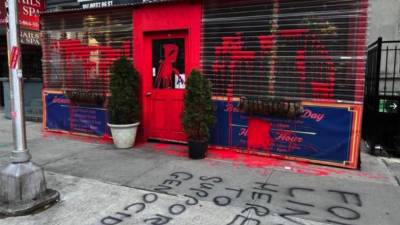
pixel 320 133
pixel 62 116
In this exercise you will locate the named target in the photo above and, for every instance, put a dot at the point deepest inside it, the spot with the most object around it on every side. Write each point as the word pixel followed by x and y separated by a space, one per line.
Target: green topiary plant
pixel 123 104
pixel 198 114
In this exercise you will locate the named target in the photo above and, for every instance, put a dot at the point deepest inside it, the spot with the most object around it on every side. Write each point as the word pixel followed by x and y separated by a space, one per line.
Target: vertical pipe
pixel 386 70
pixel 274 56
pixel 394 69
pixel 20 153
pixel 377 74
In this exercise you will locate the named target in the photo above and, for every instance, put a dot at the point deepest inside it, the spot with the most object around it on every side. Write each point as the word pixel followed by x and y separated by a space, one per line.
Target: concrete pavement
pixel 155 183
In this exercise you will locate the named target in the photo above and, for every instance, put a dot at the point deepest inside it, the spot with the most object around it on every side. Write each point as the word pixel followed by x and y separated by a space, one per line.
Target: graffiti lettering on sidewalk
pixel 259 199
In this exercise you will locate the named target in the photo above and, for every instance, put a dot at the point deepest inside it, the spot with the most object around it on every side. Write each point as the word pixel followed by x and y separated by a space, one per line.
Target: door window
pixel 168 63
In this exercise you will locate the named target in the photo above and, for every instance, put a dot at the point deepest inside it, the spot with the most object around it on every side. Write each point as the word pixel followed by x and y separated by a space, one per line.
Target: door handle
pixel 148 93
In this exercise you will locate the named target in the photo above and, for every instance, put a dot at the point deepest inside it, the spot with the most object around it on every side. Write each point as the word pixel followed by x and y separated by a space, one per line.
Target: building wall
pixel 384 20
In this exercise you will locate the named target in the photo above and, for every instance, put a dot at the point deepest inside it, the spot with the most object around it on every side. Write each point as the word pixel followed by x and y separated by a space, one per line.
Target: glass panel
pixel 169 63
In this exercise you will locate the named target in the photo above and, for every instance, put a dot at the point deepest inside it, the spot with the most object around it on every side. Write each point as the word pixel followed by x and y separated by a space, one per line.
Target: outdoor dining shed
pixel 287 75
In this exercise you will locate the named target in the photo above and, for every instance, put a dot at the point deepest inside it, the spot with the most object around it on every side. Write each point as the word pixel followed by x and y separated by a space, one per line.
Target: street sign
pixel 15 54
pixel 389 106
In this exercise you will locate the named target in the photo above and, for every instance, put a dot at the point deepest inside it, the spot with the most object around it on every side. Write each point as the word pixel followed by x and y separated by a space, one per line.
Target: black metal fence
pixel 382 95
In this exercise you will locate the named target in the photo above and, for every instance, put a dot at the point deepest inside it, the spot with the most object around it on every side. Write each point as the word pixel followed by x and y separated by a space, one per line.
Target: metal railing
pixel 382 95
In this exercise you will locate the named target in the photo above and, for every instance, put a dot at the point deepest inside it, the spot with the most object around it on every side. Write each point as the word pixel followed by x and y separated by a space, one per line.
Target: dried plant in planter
pixel 271 106
pixel 85 98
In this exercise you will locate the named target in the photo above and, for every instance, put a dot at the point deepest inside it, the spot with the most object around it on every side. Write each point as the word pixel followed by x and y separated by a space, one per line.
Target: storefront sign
pixel 29 37
pixel 28 13
pixel 319 133
pixel 2 13
pixel 88 4
pixel 62 116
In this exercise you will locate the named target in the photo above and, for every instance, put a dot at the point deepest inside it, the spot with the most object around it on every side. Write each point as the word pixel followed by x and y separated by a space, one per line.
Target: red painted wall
pixel 167 17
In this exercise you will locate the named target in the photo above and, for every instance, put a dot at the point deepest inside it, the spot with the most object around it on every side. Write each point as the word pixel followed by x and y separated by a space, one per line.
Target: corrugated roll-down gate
pixel 288 76
pixel 381 119
pixel 78 51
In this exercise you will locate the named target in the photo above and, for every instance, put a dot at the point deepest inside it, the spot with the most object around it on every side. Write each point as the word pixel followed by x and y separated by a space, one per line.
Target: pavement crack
pixel 59 159
pixel 153 191
pixel 269 175
pixel 397 180
pixel 385 162
pixel 142 174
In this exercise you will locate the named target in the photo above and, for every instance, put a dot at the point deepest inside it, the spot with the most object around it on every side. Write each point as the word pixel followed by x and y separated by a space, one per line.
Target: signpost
pixel 22 183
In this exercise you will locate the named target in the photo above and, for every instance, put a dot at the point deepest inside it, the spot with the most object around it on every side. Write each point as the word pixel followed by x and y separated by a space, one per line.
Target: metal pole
pixel 23 186
pixel 20 153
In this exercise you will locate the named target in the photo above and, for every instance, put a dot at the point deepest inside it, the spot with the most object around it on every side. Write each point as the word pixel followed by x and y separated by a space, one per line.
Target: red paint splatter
pixel 258 134
pixel 266 42
pixel 13 114
pixel 106 139
pixel 169 149
pixel 292 33
pixel 300 64
pixel 231 54
pixel 95 60
pixel 167 69
pixel 262 164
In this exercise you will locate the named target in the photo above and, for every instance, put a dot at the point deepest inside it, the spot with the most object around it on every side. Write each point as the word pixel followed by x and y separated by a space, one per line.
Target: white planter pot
pixel 124 135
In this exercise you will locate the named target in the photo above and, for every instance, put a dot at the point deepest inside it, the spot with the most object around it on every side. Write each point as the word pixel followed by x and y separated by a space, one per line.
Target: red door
pixel 165 73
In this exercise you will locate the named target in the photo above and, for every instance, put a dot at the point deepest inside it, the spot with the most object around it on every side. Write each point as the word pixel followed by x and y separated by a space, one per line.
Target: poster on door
pixel 168 63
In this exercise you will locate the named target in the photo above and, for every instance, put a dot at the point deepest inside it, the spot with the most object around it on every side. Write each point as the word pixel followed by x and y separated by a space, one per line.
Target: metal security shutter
pixel 79 47
pixel 296 49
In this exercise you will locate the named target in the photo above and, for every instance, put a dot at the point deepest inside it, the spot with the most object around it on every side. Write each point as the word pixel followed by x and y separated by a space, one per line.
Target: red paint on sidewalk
pixel 262 163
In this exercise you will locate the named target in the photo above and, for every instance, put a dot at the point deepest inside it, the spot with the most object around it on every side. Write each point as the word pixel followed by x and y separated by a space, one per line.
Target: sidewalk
pixel 155 183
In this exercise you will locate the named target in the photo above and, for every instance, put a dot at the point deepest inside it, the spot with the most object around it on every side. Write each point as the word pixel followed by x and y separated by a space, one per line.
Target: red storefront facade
pixel 261 56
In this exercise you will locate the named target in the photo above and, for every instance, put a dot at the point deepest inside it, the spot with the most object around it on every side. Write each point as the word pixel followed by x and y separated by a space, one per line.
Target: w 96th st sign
pixel 89 4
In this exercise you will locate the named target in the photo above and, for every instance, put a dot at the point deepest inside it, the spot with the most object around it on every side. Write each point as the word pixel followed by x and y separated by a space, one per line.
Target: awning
pixel 57 6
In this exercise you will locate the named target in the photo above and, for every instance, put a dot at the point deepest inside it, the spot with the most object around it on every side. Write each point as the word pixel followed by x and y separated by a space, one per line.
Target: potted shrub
pixel 198 114
pixel 123 103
